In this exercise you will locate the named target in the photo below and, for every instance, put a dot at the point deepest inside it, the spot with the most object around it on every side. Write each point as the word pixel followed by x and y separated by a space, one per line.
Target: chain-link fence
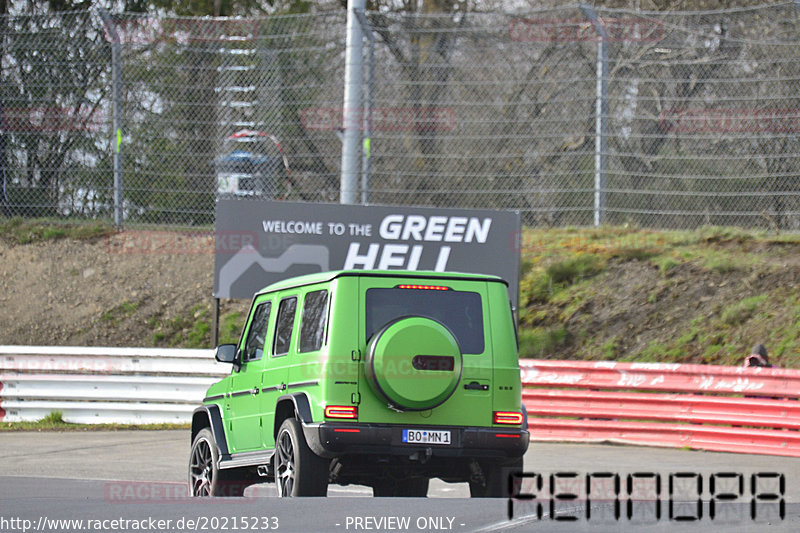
pixel 573 117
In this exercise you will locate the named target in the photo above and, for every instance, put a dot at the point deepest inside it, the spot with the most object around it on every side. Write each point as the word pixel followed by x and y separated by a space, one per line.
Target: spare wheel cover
pixel 414 363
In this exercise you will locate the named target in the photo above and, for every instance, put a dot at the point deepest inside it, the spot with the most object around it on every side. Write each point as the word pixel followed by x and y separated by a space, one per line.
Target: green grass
pixel 540 342
pixel 189 330
pixel 740 312
pixel 573 298
pixel 199 334
pixel 26 231
pixel 717 234
pixel 609 349
pixel 665 263
pixel 54 418
pixel 542 284
pixel 634 254
pixel 568 271
pixel 723 263
pixel 230 327
pixel 115 315
pixel 536 287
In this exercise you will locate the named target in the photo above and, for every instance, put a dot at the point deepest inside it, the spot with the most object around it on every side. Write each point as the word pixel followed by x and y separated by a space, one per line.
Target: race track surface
pixel 135 481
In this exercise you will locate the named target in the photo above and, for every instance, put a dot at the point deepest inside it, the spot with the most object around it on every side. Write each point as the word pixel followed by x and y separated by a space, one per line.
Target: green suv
pixel 378 378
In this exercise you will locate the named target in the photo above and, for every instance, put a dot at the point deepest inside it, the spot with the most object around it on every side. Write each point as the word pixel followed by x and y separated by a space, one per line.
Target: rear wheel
pixel 497 480
pixel 410 488
pixel 298 470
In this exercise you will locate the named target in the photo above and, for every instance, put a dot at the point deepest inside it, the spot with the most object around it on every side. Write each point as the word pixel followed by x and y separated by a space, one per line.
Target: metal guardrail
pixel 104 385
pixel 717 408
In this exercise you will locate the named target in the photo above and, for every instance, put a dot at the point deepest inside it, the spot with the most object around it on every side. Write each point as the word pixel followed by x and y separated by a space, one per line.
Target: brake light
pixel 424 287
pixel 508 418
pixel 341 411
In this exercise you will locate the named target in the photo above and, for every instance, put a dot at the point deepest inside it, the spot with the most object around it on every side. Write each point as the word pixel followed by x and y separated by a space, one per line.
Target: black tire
pixel 408 488
pixel 298 470
pixel 205 476
pixel 497 480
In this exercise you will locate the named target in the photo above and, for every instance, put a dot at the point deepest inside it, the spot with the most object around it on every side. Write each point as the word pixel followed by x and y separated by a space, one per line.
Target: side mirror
pixel 226 353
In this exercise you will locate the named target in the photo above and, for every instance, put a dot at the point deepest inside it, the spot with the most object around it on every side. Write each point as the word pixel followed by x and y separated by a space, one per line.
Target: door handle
pixel 254 391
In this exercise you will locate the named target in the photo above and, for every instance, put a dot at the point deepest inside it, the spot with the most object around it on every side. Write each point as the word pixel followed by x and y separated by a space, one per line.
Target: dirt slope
pixel 704 296
pixel 120 290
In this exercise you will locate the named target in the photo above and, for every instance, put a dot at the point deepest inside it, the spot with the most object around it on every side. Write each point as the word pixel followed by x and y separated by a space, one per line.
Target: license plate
pixel 424 436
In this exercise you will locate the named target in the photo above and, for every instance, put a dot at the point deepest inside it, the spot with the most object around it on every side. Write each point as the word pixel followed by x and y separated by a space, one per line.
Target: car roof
pixel 321 277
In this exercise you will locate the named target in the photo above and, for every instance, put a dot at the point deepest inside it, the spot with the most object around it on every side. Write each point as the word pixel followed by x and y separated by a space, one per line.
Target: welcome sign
pixel 260 242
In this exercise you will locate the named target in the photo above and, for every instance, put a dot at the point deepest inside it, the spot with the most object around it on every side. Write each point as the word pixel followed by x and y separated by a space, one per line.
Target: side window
pixel 254 345
pixel 312 327
pixel 284 325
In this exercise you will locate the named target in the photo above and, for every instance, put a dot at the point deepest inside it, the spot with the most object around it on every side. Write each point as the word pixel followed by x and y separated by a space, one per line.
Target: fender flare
pixel 302 411
pixel 301 405
pixel 210 416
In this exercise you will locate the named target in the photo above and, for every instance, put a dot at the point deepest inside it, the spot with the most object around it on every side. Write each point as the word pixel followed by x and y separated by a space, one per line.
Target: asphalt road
pixel 134 481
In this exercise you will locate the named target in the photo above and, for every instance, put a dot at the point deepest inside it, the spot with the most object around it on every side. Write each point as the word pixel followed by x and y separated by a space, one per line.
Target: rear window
pixel 460 311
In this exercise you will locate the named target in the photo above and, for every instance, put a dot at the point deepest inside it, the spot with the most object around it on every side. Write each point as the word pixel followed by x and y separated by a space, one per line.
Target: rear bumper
pixel 341 439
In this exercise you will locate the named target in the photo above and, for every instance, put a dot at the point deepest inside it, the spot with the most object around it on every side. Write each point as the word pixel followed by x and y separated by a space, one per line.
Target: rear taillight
pixel 341 411
pixel 509 418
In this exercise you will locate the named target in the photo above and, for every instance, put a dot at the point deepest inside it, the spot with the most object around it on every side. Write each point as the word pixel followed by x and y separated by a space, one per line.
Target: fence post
pixel 366 151
pixel 601 115
pixel 116 81
pixel 352 102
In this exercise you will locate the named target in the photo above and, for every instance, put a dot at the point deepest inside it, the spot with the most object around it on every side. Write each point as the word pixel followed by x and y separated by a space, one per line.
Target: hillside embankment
pixel 703 296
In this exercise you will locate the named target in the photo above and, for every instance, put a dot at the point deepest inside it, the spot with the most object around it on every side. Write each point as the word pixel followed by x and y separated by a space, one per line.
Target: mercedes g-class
pixel 378 378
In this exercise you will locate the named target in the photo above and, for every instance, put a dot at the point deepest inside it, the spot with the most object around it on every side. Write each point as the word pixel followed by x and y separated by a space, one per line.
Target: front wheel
pixel 205 476
pixel 298 470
